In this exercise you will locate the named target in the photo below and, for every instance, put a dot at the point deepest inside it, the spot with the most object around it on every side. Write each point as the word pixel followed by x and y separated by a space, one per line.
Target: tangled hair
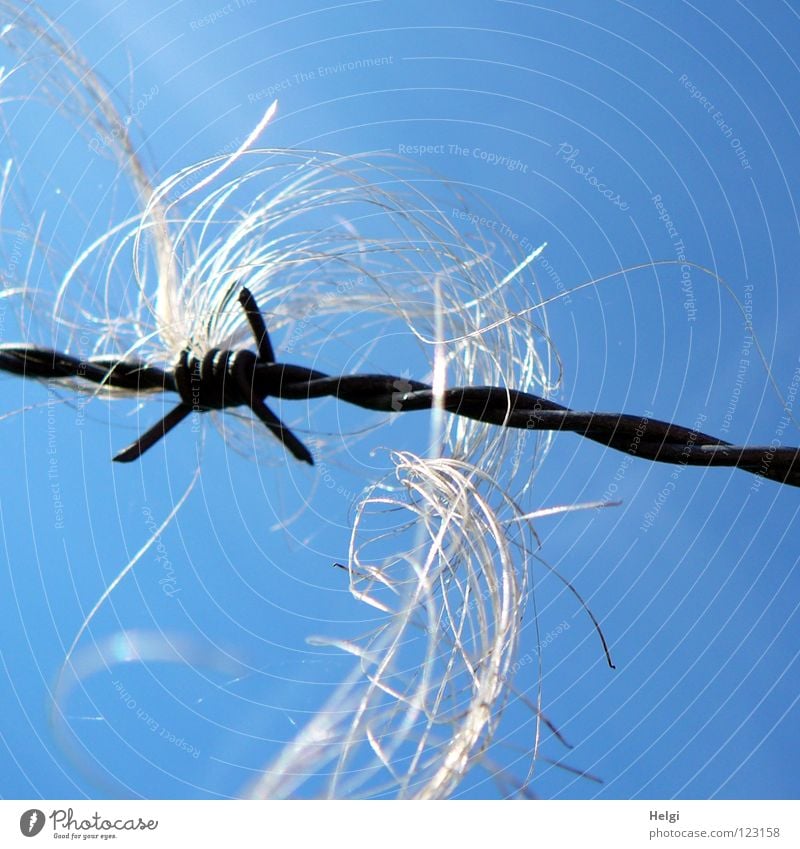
pixel 441 547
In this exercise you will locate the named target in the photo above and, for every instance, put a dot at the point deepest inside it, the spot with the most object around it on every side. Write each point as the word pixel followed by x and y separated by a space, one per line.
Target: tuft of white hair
pixel 441 547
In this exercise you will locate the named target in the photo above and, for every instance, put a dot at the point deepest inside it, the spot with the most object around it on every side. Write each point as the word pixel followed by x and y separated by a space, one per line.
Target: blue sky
pixel 619 134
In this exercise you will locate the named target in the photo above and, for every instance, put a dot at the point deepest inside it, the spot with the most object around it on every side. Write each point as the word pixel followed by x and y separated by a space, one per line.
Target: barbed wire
pixel 229 378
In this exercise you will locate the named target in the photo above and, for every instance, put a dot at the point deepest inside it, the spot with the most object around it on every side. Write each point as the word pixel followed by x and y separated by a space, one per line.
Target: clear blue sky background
pixel 695 103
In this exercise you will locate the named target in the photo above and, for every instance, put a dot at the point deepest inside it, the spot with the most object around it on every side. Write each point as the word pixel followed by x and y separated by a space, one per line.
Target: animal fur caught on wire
pixel 317 238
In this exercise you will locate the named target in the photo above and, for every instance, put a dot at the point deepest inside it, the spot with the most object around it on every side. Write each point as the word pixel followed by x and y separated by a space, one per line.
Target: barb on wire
pixel 225 378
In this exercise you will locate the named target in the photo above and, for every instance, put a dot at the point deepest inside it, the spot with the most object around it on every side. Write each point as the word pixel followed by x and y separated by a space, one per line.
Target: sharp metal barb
pixel 257 325
pixel 149 438
pixel 279 429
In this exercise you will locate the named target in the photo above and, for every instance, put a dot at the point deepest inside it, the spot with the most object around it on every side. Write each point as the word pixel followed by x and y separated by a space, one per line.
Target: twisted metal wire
pixel 224 378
